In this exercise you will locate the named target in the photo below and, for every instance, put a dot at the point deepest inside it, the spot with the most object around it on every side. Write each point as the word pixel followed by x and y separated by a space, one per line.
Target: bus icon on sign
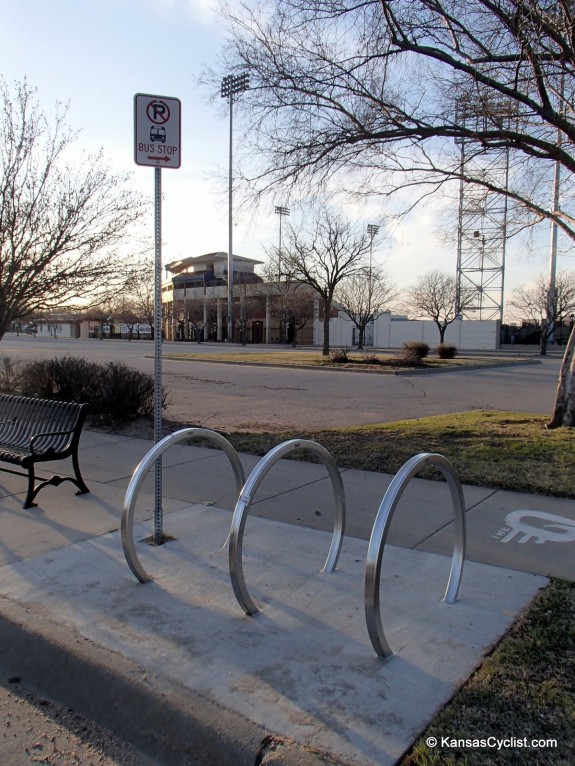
pixel 157 133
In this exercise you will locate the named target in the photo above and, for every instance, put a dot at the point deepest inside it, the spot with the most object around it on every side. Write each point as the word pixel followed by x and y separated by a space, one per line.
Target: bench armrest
pixel 69 432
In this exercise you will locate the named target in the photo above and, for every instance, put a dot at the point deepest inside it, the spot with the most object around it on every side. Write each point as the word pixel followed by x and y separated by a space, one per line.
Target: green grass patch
pixel 524 689
pixel 504 450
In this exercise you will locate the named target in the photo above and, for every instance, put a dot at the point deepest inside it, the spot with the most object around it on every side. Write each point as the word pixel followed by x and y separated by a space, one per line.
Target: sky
pixel 97 54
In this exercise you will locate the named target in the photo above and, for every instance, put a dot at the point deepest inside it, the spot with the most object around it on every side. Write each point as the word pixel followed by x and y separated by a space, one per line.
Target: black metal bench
pixel 39 430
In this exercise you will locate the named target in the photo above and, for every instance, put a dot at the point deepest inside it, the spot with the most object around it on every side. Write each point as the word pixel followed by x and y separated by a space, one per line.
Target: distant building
pixel 195 297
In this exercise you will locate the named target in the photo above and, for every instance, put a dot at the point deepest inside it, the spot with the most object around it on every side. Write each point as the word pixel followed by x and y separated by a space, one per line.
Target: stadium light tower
pixel 281 211
pixel 232 85
pixel 372 230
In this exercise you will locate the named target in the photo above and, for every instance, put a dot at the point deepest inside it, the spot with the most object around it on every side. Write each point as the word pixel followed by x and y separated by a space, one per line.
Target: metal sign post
pixel 157 129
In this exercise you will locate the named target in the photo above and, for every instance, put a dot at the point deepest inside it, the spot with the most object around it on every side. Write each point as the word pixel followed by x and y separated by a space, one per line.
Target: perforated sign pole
pixel 158 512
pixel 157 130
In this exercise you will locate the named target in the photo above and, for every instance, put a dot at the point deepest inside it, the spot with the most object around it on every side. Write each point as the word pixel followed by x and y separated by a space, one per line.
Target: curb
pixel 162 719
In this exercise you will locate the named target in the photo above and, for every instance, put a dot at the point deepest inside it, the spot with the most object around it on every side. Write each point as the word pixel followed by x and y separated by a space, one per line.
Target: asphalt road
pixel 37 730
pixel 225 396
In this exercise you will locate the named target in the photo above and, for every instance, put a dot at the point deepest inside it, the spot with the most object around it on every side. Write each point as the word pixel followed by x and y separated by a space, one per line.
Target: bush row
pixel 114 391
pixel 413 353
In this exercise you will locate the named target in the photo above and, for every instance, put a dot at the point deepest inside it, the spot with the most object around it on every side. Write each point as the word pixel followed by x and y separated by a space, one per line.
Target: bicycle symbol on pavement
pixel 559 529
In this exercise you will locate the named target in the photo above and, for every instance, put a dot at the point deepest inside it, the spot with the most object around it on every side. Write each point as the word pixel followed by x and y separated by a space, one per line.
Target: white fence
pixel 393 332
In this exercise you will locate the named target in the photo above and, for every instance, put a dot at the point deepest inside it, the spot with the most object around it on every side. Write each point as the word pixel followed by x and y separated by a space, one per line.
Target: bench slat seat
pixel 40 430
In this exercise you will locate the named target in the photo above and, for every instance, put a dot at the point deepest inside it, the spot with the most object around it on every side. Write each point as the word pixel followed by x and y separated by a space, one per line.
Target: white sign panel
pixel 157 128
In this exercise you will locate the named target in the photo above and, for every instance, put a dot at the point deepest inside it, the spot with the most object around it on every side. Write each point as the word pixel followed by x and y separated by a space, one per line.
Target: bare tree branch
pixel 60 226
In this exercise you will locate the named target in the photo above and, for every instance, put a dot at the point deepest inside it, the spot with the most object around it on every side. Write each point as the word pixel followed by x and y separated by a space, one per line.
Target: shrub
pixel 68 379
pixel 9 375
pixel 125 393
pixel 368 357
pixel 415 349
pixel 446 351
pixel 114 391
pixel 339 355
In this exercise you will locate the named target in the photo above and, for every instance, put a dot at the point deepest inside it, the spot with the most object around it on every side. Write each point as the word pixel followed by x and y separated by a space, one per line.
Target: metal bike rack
pixel 244 502
pixel 140 474
pixel 379 535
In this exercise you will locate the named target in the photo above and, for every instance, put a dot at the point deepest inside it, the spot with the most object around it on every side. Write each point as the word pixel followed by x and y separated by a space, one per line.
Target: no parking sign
pixel 157 129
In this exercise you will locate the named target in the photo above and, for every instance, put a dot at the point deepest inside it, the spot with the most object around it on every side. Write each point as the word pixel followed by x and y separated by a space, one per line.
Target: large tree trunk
pixel 326 313
pixel 361 340
pixel 564 409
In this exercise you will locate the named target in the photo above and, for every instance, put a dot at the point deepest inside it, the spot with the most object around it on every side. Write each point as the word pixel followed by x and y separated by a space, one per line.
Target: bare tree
pixel 322 256
pixel 533 303
pixel 140 290
pixel 435 296
pixel 247 302
pixel 383 92
pixel 60 225
pixel 102 313
pixel 128 313
pixel 364 297
pixel 291 302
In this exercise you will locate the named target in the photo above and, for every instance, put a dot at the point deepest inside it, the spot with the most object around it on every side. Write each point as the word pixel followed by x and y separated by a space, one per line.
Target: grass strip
pixel 525 689
pixel 384 363
pixel 503 450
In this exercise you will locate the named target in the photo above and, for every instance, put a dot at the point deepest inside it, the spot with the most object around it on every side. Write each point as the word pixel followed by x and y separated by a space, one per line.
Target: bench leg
pixel 55 481
pixel 82 488
pixel 31 494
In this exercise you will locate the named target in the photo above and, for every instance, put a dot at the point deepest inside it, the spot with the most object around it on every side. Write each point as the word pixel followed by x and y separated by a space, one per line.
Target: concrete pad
pixel 530 533
pixel 304 666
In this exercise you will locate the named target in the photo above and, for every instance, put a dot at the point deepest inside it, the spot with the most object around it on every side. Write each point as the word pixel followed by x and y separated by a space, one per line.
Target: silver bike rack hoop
pixel 245 500
pixel 140 474
pixel 379 536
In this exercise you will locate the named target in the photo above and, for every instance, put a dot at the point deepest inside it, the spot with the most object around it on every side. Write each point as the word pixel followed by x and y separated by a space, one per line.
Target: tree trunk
pixel 564 408
pixel 361 340
pixel 326 313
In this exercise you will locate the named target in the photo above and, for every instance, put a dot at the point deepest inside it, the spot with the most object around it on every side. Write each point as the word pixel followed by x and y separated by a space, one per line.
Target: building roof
pixel 184 263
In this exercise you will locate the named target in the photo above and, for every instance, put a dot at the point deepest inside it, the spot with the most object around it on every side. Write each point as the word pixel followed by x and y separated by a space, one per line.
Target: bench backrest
pixel 23 417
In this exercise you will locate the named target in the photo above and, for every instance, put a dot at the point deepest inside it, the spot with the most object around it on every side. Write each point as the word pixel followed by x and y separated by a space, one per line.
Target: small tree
pixel 436 297
pixel 246 304
pixel 291 301
pixel 140 290
pixel 127 312
pixel 59 225
pixel 331 250
pixel 363 298
pixel 544 307
pixel 102 314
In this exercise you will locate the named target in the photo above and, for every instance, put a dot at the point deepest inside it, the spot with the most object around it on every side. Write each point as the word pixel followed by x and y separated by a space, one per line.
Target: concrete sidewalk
pixel 175 666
